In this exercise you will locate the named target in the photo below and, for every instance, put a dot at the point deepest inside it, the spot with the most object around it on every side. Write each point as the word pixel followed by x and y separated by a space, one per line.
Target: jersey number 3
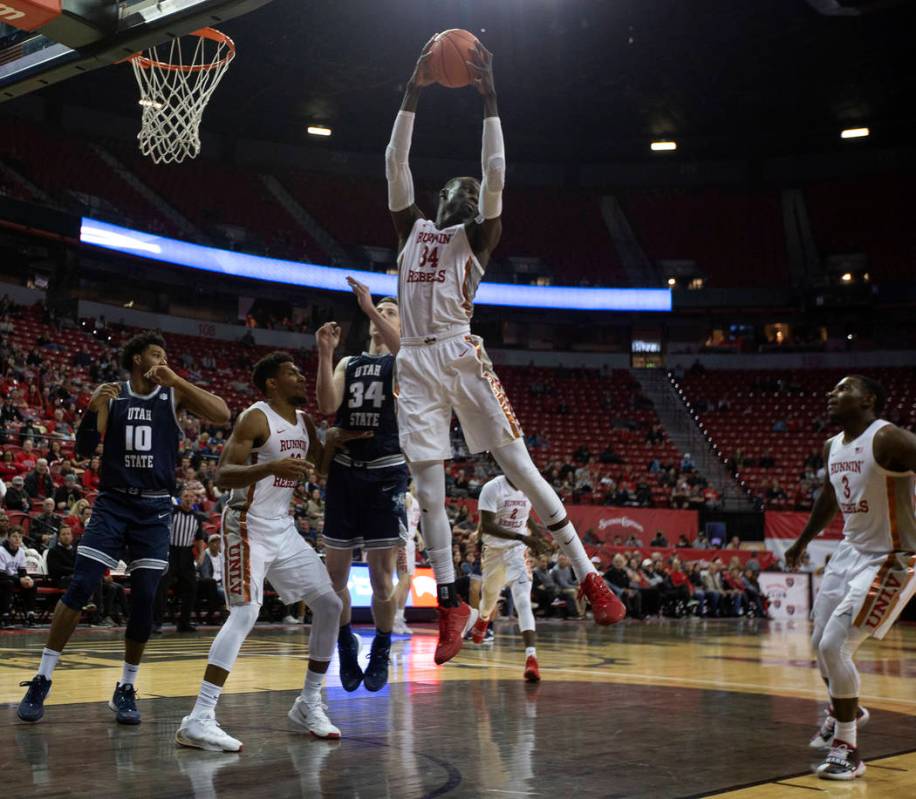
pixel 360 394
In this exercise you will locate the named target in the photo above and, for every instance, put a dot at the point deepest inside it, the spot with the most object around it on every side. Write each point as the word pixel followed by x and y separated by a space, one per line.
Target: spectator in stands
pixel 62 557
pixel 17 498
pixel 314 508
pixel 624 585
pixel 608 455
pixel 713 586
pixel 734 589
pixel 651 584
pixel 8 467
pixel 46 522
pixel 701 542
pixel 79 517
pixel 677 590
pixel 90 477
pixel 67 495
pixel 775 492
pixel 696 584
pixel 543 588
pixel 711 498
pixel 4 525
pixel 687 464
pixel 210 578
pixel 756 601
pixel 582 454
pixel 61 429
pixel 780 426
pixel 680 494
pixel 14 578
pixel 27 435
pixel 564 579
pixel 734 542
pixel 682 541
pixel 632 541
pixel 38 482
pixel 767 461
pixel 660 540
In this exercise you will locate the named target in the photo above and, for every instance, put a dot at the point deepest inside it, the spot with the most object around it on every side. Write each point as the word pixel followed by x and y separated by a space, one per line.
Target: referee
pixel 187 527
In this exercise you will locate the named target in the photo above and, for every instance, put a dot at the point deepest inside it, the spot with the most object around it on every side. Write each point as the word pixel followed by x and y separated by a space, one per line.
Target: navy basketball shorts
pixel 365 507
pixel 129 527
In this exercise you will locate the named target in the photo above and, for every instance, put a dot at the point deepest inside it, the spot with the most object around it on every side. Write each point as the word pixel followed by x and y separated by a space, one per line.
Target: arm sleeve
pixel 397 170
pixel 493 163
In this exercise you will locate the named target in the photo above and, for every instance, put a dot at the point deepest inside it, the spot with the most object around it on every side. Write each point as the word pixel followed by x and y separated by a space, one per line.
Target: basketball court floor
pixel 685 708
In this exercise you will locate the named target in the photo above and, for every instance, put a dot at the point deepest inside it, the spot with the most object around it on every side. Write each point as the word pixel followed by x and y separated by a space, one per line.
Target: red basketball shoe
pixel 606 607
pixel 532 672
pixel 479 630
pixel 453 624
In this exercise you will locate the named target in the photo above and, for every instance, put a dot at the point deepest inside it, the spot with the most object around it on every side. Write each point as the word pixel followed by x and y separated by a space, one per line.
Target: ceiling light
pixel 854 133
pixel 660 146
pixel 672 282
pixel 847 277
pixel 318 130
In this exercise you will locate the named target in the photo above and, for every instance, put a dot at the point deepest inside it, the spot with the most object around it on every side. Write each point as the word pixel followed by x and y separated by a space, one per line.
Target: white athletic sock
pixel 572 547
pixel 845 731
pixel 48 663
pixel 311 691
pixel 129 673
pixel 530 651
pixel 205 706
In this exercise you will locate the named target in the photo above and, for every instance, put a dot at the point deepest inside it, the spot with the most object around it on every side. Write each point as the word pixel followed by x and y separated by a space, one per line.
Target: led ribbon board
pixel 328 278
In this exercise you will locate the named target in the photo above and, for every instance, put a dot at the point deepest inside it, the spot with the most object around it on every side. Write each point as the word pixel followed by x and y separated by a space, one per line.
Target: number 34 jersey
pixel 369 404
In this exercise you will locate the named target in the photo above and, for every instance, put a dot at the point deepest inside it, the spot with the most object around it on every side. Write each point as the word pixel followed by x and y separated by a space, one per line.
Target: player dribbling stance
pixel 266 456
pixel 367 480
pixel 442 367
pixel 870 578
pixel 505 515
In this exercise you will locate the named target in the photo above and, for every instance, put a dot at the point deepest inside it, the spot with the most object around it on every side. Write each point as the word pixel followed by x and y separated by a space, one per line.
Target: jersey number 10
pixel 139 438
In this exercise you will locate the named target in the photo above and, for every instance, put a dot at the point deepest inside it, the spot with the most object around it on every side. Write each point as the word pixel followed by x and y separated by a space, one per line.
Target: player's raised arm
pixel 198 401
pixel 95 419
pixel 404 211
pixel 234 471
pixel 485 231
pixel 390 333
pixel 825 508
pixel 329 383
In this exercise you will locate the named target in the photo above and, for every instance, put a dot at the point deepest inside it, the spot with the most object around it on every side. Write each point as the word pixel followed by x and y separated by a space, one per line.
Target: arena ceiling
pixel 579 81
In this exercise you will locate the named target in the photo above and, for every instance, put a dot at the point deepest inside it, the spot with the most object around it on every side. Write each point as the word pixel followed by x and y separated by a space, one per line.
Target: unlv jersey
pixel 438 275
pixel 877 505
pixel 269 498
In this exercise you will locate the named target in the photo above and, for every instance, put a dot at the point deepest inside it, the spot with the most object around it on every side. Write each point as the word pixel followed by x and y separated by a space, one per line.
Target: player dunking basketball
pixel 870 578
pixel 441 367
pixel 266 456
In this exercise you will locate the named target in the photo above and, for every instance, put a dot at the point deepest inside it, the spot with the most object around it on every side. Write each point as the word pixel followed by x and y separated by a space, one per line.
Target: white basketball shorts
pixel 871 587
pixel 435 378
pixel 255 550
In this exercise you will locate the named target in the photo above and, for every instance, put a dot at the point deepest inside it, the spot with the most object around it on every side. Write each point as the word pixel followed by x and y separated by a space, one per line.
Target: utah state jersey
pixel 368 404
pixel 141 441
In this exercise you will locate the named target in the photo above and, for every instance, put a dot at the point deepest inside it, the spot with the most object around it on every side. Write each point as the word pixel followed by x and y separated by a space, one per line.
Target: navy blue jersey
pixel 141 441
pixel 368 404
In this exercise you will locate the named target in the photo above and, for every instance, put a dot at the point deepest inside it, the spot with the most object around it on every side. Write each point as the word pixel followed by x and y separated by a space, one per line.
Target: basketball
pixel 448 56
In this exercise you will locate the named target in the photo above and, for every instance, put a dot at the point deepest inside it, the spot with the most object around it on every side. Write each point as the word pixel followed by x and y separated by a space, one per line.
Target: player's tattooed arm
pixel 895 449
pixel 400 181
pixel 234 471
pixel 825 508
pixel 329 383
pixel 197 400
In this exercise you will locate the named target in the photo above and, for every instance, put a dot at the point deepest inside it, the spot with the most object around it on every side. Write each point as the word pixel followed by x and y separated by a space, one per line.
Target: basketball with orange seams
pixel 448 57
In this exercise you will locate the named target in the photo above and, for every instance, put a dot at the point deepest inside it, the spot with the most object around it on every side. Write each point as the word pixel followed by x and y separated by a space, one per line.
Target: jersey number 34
pixel 360 394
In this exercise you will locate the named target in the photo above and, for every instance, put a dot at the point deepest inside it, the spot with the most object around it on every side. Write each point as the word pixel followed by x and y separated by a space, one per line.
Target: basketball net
pixel 176 80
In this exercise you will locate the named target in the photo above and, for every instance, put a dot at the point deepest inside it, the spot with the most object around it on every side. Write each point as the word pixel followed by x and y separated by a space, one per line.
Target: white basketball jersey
pixel 877 505
pixel 438 275
pixel 511 507
pixel 413 517
pixel 270 497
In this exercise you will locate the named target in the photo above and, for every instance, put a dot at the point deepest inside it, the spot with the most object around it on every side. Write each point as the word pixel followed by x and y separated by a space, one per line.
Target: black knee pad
pixel 143 586
pixel 87 574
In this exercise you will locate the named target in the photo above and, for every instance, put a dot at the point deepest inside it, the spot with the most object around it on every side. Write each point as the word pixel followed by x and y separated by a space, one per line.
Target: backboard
pixel 31 60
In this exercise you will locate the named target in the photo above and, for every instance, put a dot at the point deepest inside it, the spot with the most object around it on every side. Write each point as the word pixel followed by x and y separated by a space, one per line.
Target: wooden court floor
pixel 685 708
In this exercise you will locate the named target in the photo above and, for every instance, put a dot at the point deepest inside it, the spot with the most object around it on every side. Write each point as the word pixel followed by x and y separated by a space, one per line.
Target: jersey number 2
pixel 359 394
pixel 139 438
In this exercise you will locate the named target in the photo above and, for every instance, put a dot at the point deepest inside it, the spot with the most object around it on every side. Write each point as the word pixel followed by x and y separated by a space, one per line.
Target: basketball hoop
pixel 176 80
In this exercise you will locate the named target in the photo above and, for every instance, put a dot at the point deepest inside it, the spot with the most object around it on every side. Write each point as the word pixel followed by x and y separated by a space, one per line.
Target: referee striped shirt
pixel 185 527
